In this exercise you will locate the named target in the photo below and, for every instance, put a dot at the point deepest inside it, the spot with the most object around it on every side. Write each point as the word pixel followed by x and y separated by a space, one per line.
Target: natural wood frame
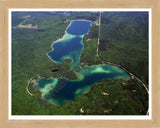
pixel 4 75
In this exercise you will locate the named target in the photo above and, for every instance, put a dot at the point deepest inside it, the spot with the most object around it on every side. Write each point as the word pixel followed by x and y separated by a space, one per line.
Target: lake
pixel 59 91
pixel 70 46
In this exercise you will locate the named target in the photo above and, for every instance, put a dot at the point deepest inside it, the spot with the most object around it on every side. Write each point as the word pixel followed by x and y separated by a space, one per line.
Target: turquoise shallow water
pixel 61 90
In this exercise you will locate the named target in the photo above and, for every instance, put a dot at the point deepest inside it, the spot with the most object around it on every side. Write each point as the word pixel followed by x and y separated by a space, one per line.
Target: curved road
pixel 131 74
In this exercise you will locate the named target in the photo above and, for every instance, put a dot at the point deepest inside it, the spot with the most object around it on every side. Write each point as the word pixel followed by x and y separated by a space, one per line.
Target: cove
pixel 70 46
pixel 59 91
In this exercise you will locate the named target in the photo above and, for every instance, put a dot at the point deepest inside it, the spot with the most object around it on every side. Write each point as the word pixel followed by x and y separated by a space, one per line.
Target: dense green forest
pixel 123 40
pixel 108 97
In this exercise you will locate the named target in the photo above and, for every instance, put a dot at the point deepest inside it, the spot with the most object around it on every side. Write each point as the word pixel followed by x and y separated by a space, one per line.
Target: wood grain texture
pixel 6 4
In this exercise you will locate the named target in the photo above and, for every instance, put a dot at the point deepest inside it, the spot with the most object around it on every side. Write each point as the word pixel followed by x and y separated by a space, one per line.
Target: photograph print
pixel 79 62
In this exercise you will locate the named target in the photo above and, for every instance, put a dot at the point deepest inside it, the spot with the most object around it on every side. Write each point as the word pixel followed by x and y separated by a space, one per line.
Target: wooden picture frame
pixel 4 63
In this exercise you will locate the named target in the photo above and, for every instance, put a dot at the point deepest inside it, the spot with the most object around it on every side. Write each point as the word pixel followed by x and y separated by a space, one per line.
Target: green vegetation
pixel 85 15
pixel 17 18
pixel 29 58
pixel 124 40
pixel 108 97
pixel 89 55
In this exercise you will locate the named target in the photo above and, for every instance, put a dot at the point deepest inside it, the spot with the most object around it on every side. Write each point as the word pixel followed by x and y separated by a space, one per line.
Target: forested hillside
pixel 124 41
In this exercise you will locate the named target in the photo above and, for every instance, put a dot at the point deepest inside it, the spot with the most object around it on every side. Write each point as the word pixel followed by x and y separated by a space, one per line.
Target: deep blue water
pixel 70 45
pixel 71 48
pixel 79 27
pixel 61 90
